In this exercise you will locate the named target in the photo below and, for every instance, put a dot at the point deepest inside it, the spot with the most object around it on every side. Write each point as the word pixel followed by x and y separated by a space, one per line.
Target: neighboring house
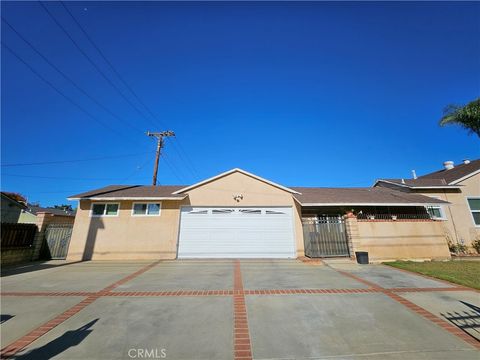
pixel 11 207
pixel 29 214
pixel 459 185
pixel 237 214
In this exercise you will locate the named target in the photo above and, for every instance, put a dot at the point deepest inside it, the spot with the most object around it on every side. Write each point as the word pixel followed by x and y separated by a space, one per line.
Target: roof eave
pixel 390 182
pixel 111 198
pixel 465 177
pixel 375 204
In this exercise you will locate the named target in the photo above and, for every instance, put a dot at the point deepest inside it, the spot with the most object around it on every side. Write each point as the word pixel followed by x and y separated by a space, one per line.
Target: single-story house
pixel 59 215
pixel 457 184
pixel 237 214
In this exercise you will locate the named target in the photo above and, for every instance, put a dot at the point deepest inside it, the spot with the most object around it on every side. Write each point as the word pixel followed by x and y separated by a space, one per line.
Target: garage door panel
pixel 236 232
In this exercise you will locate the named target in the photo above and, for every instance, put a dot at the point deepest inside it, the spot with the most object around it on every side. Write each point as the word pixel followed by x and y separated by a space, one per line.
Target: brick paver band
pixel 241 335
pixel 13 348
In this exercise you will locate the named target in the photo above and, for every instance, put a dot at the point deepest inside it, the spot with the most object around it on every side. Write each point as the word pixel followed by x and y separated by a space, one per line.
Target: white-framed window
pixel 474 205
pixel 104 209
pixel 146 209
pixel 436 211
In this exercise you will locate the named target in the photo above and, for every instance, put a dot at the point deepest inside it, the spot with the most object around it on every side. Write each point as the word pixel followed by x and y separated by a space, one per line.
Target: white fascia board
pixel 446 186
pixel 465 177
pixel 375 204
pixel 390 182
pixel 436 187
pixel 129 198
pixel 231 172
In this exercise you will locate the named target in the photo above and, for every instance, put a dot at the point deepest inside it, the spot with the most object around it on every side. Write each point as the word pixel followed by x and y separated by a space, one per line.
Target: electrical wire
pixel 56 177
pixel 180 149
pixel 91 61
pixel 74 161
pixel 69 79
pixel 86 112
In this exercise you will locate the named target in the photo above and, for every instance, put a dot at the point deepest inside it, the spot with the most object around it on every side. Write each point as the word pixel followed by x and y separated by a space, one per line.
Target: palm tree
pixel 467 116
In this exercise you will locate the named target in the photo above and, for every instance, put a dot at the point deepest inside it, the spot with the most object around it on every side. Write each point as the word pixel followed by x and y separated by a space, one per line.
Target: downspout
pixel 451 217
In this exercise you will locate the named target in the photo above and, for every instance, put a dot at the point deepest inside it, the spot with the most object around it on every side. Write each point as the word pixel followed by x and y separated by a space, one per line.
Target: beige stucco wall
pixel 29 218
pixel 459 226
pixel 127 237
pixel 124 237
pixel 401 240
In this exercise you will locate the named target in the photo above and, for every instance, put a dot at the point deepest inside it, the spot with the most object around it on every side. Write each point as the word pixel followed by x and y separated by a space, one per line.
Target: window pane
pixel 98 209
pixel 112 209
pixel 153 209
pixel 139 209
pixel 476 217
pixel 435 212
pixel 474 204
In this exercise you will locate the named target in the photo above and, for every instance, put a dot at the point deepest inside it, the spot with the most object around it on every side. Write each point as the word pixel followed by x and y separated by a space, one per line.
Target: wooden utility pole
pixel 159 136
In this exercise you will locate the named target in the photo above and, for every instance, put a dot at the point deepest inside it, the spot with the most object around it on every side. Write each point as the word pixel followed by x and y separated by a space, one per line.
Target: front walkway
pixel 222 309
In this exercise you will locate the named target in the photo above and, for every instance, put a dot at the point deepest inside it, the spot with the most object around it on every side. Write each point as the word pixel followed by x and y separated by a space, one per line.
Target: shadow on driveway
pixel 33 266
pixel 60 344
pixel 468 321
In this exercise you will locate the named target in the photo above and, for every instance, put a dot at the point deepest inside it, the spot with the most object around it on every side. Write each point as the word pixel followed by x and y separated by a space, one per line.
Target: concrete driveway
pixel 242 309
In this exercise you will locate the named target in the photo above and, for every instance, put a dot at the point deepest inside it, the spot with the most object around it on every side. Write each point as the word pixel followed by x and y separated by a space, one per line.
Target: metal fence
pixel 57 238
pixel 394 216
pixel 17 235
pixel 325 237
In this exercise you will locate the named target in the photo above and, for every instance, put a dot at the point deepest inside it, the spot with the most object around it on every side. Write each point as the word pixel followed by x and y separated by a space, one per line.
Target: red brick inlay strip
pixel 435 319
pixel 231 292
pixel 419 310
pixel 173 293
pixel 241 334
pixel 46 293
pixel 13 348
pixel 308 291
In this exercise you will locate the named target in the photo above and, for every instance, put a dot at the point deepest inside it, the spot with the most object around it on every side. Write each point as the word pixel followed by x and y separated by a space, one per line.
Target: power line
pixel 69 79
pixel 104 57
pixel 91 61
pixel 175 143
pixel 56 177
pixel 74 161
pixel 60 92
pixel 174 171
pixel 137 170
pixel 185 158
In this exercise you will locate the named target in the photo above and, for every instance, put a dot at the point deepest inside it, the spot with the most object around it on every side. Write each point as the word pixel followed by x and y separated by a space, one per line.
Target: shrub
pixel 476 245
pixel 457 248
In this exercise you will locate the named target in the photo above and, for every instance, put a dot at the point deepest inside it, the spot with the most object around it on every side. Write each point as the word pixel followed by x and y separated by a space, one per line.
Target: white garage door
pixel 236 233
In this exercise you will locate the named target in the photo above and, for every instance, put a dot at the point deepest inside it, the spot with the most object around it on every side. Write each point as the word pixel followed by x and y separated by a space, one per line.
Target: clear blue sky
pixel 312 94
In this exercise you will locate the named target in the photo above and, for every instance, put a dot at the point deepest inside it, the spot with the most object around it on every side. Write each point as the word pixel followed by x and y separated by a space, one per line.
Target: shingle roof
pixel 458 172
pixel 132 191
pixel 442 178
pixel 55 211
pixel 418 182
pixel 308 195
pixel 353 196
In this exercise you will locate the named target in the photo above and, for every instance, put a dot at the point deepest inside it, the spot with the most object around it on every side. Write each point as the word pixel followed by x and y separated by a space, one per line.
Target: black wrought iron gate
pixel 325 237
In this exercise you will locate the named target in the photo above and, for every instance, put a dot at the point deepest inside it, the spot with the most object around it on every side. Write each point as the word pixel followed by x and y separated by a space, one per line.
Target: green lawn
pixel 465 273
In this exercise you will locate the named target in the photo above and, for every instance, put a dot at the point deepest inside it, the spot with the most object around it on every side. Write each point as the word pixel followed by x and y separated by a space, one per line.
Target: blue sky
pixel 306 94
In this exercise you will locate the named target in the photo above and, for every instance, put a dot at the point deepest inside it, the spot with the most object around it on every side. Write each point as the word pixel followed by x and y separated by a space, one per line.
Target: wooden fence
pixel 17 235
